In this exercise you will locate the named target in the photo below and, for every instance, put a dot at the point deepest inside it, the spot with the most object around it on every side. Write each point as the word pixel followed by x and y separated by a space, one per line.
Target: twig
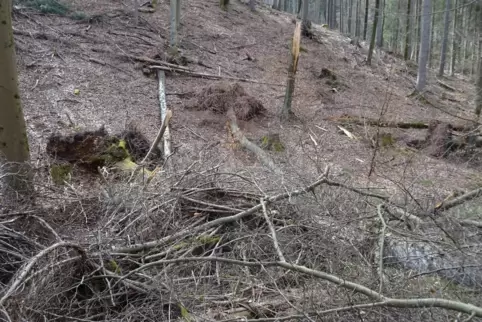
pixel 196 74
pixel 273 232
pixel 23 272
pixel 219 221
pixel 470 317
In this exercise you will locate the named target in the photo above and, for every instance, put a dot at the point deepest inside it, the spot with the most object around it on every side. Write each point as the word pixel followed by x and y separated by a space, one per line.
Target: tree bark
pixel 13 131
pixel 365 27
pixel 454 40
pixel 478 87
pixel 379 39
pixel 445 38
pixel 350 17
pixel 424 45
pixel 407 31
pixel 290 83
pixel 374 32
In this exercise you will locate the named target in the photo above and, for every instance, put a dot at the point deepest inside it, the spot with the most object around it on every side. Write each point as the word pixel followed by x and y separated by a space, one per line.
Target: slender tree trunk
pixel 445 38
pixel 365 26
pixel 174 23
pixel 418 31
pixel 465 18
pixel 374 32
pixel 379 39
pixel 454 40
pixel 13 132
pixel 342 20
pixel 304 13
pixel 350 18
pixel 478 85
pixel 424 45
pixel 317 11
pixel 397 27
pixel 357 21
pixel 335 24
pixel 407 31
pixel 432 38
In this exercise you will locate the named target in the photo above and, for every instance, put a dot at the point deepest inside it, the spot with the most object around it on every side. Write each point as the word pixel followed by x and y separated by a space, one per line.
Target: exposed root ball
pixel 220 97
pixel 138 145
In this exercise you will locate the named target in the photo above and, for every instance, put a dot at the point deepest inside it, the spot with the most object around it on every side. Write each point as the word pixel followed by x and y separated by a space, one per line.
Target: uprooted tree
pixel 13 132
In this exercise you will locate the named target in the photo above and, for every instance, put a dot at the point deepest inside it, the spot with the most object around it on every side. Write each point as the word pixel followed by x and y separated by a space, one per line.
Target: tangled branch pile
pixel 206 245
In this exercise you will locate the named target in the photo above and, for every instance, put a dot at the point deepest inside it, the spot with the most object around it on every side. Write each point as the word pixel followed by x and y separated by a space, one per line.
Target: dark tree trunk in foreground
pixel 13 132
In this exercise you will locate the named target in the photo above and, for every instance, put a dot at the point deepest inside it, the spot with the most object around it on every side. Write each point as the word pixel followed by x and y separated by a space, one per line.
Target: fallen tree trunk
pixel 352 119
pixel 245 143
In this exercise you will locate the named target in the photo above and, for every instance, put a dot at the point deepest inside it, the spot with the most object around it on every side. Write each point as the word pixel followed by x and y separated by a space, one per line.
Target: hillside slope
pixel 334 230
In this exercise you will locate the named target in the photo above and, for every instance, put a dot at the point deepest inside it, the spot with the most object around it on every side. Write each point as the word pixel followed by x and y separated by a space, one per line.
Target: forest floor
pixel 114 92
pixel 59 55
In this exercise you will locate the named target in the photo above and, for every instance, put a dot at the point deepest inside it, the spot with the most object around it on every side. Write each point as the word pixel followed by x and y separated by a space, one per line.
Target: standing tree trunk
pixel 432 38
pixel 357 21
pixel 454 40
pixel 379 39
pixel 407 31
pixel 418 31
pixel 175 14
pixel 281 5
pixel 478 87
pixel 445 40
pixel 342 27
pixel 365 27
pixel 350 18
pixel 465 19
pixel 374 32
pixel 13 132
pixel 317 11
pixel 424 45
pixel 290 84
pixel 304 15
pixel 397 28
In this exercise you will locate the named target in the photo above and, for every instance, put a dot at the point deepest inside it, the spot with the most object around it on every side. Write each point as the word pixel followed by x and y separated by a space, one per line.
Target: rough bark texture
pixel 445 37
pixel 290 85
pixel 374 32
pixel 478 87
pixel 424 45
pixel 174 16
pixel 407 31
pixel 13 133
pixel 454 40
pixel 380 10
pixel 365 27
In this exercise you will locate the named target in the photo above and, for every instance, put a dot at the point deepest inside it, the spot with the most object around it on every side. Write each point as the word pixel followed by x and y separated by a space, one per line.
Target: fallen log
pixel 247 144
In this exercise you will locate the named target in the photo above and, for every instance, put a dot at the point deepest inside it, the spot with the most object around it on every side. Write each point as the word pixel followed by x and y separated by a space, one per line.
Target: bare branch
pixel 273 232
pixel 380 299
pixel 140 247
pixel 23 272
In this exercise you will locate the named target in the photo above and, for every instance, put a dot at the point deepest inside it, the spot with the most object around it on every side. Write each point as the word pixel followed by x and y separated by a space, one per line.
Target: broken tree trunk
pixel 290 84
pixel 245 143
pixel 165 147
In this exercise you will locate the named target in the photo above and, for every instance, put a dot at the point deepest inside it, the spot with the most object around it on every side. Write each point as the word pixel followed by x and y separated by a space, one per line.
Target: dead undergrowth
pixel 219 237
